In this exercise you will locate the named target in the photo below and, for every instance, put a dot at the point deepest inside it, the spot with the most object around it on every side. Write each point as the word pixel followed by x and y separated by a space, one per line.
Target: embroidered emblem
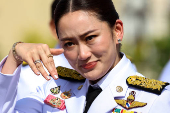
pixel 116 110
pixel 119 89
pixel 55 102
pixel 130 103
pixel 55 90
pixel 80 87
pixel 66 94
pixel 146 84
pixel 69 73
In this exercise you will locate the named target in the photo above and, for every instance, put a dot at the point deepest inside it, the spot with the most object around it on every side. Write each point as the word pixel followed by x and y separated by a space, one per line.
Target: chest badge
pixel 55 90
pixel 55 102
pixel 119 89
pixel 79 88
pixel 130 103
pixel 116 110
pixel 66 94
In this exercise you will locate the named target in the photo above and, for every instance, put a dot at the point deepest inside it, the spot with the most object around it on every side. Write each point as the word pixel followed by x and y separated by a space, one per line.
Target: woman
pixel 90 33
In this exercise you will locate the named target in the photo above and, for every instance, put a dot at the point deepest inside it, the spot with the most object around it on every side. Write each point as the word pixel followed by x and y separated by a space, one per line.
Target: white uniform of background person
pixel 165 75
pixel 103 103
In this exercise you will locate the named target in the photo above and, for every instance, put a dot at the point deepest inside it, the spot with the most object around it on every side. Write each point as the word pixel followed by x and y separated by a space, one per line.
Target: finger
pixel 49 63
pixel 30 61
pixel 33 67
pixel 51 68
pixel 39 65
pixel 56 51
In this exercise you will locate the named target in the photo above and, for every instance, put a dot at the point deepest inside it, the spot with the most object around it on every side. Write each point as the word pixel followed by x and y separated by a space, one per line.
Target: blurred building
pixel 145 18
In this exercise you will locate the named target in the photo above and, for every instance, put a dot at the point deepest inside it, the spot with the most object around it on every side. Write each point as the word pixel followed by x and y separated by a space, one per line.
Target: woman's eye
pixel 90 37
pixel 68 44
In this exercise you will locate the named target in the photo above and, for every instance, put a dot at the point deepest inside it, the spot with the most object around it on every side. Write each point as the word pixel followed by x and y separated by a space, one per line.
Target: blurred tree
pixel 163 50
pixel 149 56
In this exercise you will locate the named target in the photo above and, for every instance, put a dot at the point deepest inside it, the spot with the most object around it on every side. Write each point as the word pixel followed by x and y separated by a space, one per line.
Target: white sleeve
pixel 30 104
pixel 8 89
pixel 162 103
pixel 33 103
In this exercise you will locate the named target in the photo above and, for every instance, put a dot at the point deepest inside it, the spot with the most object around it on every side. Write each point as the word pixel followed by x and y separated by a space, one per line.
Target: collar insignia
pixel 130 103
pixel 55 102
pixel 66 94
pixel 146 84
pixel 119 89
pixel 79 88
pixel 55 90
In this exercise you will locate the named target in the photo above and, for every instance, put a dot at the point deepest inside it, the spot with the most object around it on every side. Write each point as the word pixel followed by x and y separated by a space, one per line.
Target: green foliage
pixel 163 50
pixel 149 56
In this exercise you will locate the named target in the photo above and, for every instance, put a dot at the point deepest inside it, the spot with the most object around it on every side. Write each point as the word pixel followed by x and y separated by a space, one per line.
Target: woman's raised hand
pixel 36 55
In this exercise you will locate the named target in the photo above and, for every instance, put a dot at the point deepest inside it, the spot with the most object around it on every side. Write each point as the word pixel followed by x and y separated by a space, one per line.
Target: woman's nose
pixel 84 52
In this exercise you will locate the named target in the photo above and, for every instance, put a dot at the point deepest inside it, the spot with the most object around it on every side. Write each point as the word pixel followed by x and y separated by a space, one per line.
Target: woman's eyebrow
pixel 81 36
pixel 88 32
pixel 64 39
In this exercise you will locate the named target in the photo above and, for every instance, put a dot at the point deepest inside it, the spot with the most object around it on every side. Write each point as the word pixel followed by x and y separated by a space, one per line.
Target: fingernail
pixel 48 78
pixel 38 73
pixel 56 77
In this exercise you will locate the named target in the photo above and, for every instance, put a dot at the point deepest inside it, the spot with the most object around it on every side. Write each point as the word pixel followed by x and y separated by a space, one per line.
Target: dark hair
pixel 53 6
pixel 103 9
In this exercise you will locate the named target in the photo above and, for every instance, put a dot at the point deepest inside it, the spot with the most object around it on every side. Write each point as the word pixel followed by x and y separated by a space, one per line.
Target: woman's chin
pixel 92 77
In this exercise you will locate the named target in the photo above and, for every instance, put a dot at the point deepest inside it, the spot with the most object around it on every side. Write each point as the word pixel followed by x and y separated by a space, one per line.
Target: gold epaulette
pixel 69 74
pixel 146 84
pixel 130 58
pixel 24 63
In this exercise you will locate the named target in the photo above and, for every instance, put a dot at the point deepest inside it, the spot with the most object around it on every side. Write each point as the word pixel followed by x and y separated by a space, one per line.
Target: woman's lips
pixel 89 65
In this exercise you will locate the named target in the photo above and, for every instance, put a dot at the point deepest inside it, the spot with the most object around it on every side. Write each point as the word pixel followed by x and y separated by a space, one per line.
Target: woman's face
pixel 89 44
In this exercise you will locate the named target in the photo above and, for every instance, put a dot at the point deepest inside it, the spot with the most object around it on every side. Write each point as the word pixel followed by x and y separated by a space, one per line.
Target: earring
pixel 119 41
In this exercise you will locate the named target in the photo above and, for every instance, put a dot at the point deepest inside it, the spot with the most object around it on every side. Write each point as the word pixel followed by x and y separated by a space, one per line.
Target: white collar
pixel 110 76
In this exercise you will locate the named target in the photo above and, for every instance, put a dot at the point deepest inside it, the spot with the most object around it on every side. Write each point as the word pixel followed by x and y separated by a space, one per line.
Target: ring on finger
pixel 50 55
pixel 37 61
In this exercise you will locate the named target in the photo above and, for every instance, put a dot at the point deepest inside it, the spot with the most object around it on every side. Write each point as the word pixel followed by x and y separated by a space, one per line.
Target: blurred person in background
pixel 165 75
pixel 28 82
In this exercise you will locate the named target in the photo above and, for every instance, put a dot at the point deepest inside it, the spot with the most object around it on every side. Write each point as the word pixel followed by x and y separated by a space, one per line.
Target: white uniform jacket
pixel 104 102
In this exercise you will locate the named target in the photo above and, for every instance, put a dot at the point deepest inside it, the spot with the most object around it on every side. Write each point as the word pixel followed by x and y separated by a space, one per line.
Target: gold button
pixel 119 89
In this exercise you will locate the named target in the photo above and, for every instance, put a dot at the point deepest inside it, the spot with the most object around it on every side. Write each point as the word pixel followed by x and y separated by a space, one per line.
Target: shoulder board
pixel 69 74
pixel 150 85
pixel 24 63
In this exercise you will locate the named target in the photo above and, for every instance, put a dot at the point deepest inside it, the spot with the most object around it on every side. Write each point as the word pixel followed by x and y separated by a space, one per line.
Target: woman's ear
pixel 118 30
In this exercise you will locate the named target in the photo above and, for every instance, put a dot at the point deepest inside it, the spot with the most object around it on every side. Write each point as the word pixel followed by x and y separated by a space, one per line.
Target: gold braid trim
pixel 69 73
pixel 146 83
